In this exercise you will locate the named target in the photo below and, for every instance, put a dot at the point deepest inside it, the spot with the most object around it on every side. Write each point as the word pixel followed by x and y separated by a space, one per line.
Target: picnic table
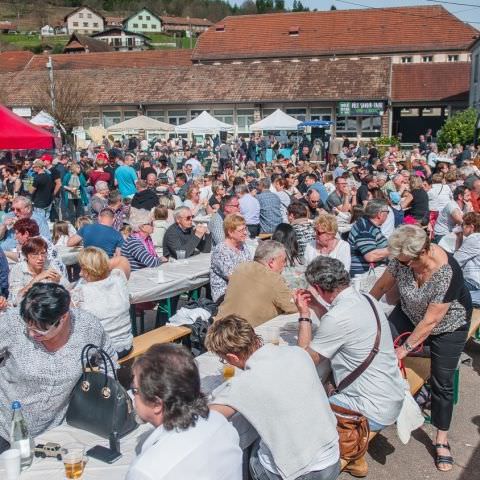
pixel 211 376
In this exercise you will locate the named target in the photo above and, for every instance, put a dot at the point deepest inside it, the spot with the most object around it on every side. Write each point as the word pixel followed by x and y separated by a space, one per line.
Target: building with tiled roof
pixel 84 44
pixel 399 32
pixel 122 40
pixel 185 24
pixel 14 61
pixel 84 20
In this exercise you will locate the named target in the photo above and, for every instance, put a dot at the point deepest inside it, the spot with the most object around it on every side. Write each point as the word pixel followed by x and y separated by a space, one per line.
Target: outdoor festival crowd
pixel 305 233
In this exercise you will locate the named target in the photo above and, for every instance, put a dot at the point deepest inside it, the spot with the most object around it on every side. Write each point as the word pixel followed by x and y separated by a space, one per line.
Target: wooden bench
pixel 165 334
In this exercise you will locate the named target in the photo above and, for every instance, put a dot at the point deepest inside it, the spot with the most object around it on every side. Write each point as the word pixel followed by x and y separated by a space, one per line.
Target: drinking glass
pixel 74 461
pixel 228 371
pixel 272 335
pixel 10 460
pixel 181 256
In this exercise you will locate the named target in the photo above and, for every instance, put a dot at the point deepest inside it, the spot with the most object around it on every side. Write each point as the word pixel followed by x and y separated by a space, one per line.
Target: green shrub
pixel 460 128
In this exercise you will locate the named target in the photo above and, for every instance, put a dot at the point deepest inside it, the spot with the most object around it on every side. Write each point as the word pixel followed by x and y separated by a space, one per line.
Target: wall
pixel 85 21
pixel 475 78
pixel 144 21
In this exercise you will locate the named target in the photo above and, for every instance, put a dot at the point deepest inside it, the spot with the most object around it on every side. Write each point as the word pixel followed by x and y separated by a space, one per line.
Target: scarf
pixel 148 244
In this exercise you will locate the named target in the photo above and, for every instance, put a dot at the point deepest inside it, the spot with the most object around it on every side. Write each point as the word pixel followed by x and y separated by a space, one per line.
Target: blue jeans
pixel 374 426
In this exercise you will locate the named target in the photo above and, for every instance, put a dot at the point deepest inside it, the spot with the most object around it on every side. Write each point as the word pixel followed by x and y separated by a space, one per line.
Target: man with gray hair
pixel 182 235
pixel 21 208
pixel 346 336
pixel 256 290
pixel 368 245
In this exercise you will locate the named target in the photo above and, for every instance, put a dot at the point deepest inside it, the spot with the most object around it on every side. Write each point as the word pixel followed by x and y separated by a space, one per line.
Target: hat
pixel 351 165
pixel 395 197
pixel 419 173
pixel 46 157
pixel 38 164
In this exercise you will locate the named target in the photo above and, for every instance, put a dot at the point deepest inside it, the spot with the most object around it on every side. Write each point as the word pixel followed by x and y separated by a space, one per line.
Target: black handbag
pixel 99 404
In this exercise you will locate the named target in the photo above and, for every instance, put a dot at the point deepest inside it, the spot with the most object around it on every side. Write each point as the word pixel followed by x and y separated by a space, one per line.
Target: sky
pixel 468 12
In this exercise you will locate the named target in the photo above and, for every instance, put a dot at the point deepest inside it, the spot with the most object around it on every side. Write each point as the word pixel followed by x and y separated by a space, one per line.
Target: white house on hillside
pixel 84 20
pixel 143 21
pixel 47 31
pixel 122 40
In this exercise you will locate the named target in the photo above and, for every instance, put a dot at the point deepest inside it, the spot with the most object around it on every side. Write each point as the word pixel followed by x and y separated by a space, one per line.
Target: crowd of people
pixel 302 234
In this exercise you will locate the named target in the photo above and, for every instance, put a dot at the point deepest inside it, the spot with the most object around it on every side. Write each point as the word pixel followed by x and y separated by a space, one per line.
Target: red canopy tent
pixel 17 133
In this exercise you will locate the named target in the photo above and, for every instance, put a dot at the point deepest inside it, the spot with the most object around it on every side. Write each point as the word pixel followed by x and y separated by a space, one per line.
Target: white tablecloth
pixel 211 377
pixel 69 255
pixel 178 277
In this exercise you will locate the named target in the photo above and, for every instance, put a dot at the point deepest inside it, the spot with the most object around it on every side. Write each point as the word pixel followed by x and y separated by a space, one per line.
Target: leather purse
pixel 99 404
pixel 352 427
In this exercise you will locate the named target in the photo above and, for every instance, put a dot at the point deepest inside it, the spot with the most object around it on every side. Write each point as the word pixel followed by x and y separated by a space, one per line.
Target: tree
pixel 333 7
pixel 279 5
pixel 298 7
pixel 460 128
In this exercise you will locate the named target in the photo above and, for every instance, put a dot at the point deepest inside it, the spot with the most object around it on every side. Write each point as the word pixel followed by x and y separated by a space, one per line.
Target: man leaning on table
pixel 188 441
pixel 282 396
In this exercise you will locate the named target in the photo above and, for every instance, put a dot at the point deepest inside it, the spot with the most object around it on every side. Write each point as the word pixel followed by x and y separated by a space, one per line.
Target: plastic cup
pixel 272 335
pixel 11 462
pixel 74 461
pixel 181 254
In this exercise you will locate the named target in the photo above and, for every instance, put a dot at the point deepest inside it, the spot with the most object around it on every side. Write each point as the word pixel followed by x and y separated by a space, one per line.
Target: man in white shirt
pixel 346 336
pixel 188 442
pixel 281 395
pixel 250 209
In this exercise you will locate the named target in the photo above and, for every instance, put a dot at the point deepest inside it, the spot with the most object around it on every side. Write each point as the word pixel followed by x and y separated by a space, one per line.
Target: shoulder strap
pixel 349 379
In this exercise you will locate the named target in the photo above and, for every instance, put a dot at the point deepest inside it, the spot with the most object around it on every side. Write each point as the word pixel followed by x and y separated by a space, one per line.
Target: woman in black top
pixel 416 201
pixel 435 306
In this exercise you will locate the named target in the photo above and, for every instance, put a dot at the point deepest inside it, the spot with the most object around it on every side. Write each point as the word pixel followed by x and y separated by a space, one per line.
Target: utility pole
pixel 52 84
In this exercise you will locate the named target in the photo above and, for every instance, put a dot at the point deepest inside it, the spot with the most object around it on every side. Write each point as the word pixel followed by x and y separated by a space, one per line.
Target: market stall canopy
pixel 43 119
pixel 204 123
pixel 278 120
pixel 17 133
pixel 316 123
pixel 141 122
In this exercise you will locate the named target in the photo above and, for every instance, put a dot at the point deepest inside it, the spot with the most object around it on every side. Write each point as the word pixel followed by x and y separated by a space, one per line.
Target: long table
pixel 211 379
pixel 178 276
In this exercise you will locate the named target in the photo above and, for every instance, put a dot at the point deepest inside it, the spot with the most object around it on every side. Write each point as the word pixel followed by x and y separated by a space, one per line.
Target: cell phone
pixel 104 454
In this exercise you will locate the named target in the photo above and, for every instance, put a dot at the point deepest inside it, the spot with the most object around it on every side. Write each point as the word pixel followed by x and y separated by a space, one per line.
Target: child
pixel 126 231
pixel 160 225
pixel 61 232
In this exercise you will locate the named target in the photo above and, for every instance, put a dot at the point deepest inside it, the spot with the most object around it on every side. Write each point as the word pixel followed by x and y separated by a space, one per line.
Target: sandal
pixel 443 459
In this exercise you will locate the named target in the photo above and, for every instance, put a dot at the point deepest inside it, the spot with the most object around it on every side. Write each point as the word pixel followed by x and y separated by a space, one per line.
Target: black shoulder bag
pixel 99 404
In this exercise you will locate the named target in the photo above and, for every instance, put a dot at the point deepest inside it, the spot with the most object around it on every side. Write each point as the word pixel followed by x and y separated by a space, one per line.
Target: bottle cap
pixel 16 405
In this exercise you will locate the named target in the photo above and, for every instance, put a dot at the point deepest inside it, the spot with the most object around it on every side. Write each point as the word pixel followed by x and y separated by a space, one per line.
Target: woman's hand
pixel 50 275
pixel 3 303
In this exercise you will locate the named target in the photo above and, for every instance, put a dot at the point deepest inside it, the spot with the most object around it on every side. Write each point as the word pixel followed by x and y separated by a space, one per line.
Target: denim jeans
pixel 374 426
pixel 259 472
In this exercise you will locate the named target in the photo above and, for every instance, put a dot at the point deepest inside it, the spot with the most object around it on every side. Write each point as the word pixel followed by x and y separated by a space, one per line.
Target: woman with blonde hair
pixel 102 291
pixel 436 307
pixel 327 243
pixel 192 201
pixel 227 255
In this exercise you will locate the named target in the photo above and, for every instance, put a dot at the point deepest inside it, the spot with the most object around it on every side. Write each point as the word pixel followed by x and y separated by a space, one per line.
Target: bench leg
pixel 163 309
pixel 133 320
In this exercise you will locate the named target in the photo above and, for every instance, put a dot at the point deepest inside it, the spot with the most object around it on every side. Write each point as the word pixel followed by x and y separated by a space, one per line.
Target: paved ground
pixel 389 458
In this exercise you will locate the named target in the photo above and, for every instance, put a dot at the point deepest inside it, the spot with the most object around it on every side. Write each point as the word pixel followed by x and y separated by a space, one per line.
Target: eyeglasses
pixel 135 391
pixel 43 333
pixel 187 218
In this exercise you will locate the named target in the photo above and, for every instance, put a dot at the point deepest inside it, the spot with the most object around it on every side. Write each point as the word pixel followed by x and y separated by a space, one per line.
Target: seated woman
pixel 299 220
pixel 193 202
pixel 218 192
pixel 103 292
pixel 327 243
pixel 138 248
pixel 467 254
pixel 286 235
pixel 42 344
pixel 160 225
pixel 33 269
pixel 436 307
pixel 228 254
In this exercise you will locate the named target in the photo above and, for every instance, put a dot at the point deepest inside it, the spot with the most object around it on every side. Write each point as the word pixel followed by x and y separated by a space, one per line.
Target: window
pixel 89 15
pixel 128 114
pixel 427 59
pixel 371 126
pixel 475 68
pixel 195 113
pixel 298 113
pixel 140 17
pixel 453 58
pixel 244 119
pixel 407 59
pixel 90 120
pixel 409 112
pixel 347 126
pixel 80 15
pixel 75 24
pixel 225 116
pixel 147 17
pixel 95 24
pixel 431 112
pixel 135 25
pixel 85 24
pixel 177 117
pixel 321 114
pixel 156 114
pixel 111 118
pixel 267 111
pixel 144 25
pixel 154 26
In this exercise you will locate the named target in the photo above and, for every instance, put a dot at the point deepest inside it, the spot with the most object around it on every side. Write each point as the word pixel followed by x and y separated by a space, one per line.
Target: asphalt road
pixel 389 459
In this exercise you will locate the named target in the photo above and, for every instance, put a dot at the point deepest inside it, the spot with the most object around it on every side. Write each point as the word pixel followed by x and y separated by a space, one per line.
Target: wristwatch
pixel 408 348
pixel 305 319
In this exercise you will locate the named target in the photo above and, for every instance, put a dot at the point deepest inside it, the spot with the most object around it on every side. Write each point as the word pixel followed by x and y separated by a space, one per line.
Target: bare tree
pixel 65 102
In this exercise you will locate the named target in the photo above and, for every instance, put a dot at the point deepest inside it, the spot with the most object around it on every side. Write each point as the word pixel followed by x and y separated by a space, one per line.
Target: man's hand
pixel 200 231
pixel 3 303
pixel 10 221
pixel 303 299
pixel 401 353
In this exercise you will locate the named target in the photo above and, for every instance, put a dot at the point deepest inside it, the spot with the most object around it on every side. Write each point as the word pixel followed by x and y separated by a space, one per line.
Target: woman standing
pixel 228 254
pixel 435 306
pixel 74 192
pixel 98 174
pixel 326 242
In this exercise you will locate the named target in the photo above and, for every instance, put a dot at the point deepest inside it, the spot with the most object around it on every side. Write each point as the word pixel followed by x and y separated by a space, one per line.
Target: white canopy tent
pixel 43 119
pixel 140 123
pixel 204 124
pixel 277 120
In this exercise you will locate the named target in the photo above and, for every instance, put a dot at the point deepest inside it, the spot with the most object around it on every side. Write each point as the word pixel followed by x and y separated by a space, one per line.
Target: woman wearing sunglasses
pixel 436 307
pixel 33 269
pixel 41 344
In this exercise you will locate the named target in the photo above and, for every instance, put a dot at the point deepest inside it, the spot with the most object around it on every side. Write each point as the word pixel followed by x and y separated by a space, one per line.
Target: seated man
pixel 21 208
pixel 300 443
pixel 346 335
pixel 145 198
pixel 228 204
pixel 313 203
pixel 182 235
pixel 256 290
pixel 188 441
pixel 101 235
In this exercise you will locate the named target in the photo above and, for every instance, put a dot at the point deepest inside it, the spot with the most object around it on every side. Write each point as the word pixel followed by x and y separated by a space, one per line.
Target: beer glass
pixel 228 371
pixel 74 461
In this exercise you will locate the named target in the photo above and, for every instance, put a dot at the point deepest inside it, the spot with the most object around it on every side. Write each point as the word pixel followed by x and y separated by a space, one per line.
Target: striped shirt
pixel 364 238
pixel 137 255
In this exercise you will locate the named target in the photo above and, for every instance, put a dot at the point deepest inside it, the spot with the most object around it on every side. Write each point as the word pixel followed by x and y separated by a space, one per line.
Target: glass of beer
pixel 228 371
pixel 74 461
pixel 272 335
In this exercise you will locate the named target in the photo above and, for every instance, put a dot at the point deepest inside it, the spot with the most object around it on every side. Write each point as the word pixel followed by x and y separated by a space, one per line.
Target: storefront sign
pixel 360 109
